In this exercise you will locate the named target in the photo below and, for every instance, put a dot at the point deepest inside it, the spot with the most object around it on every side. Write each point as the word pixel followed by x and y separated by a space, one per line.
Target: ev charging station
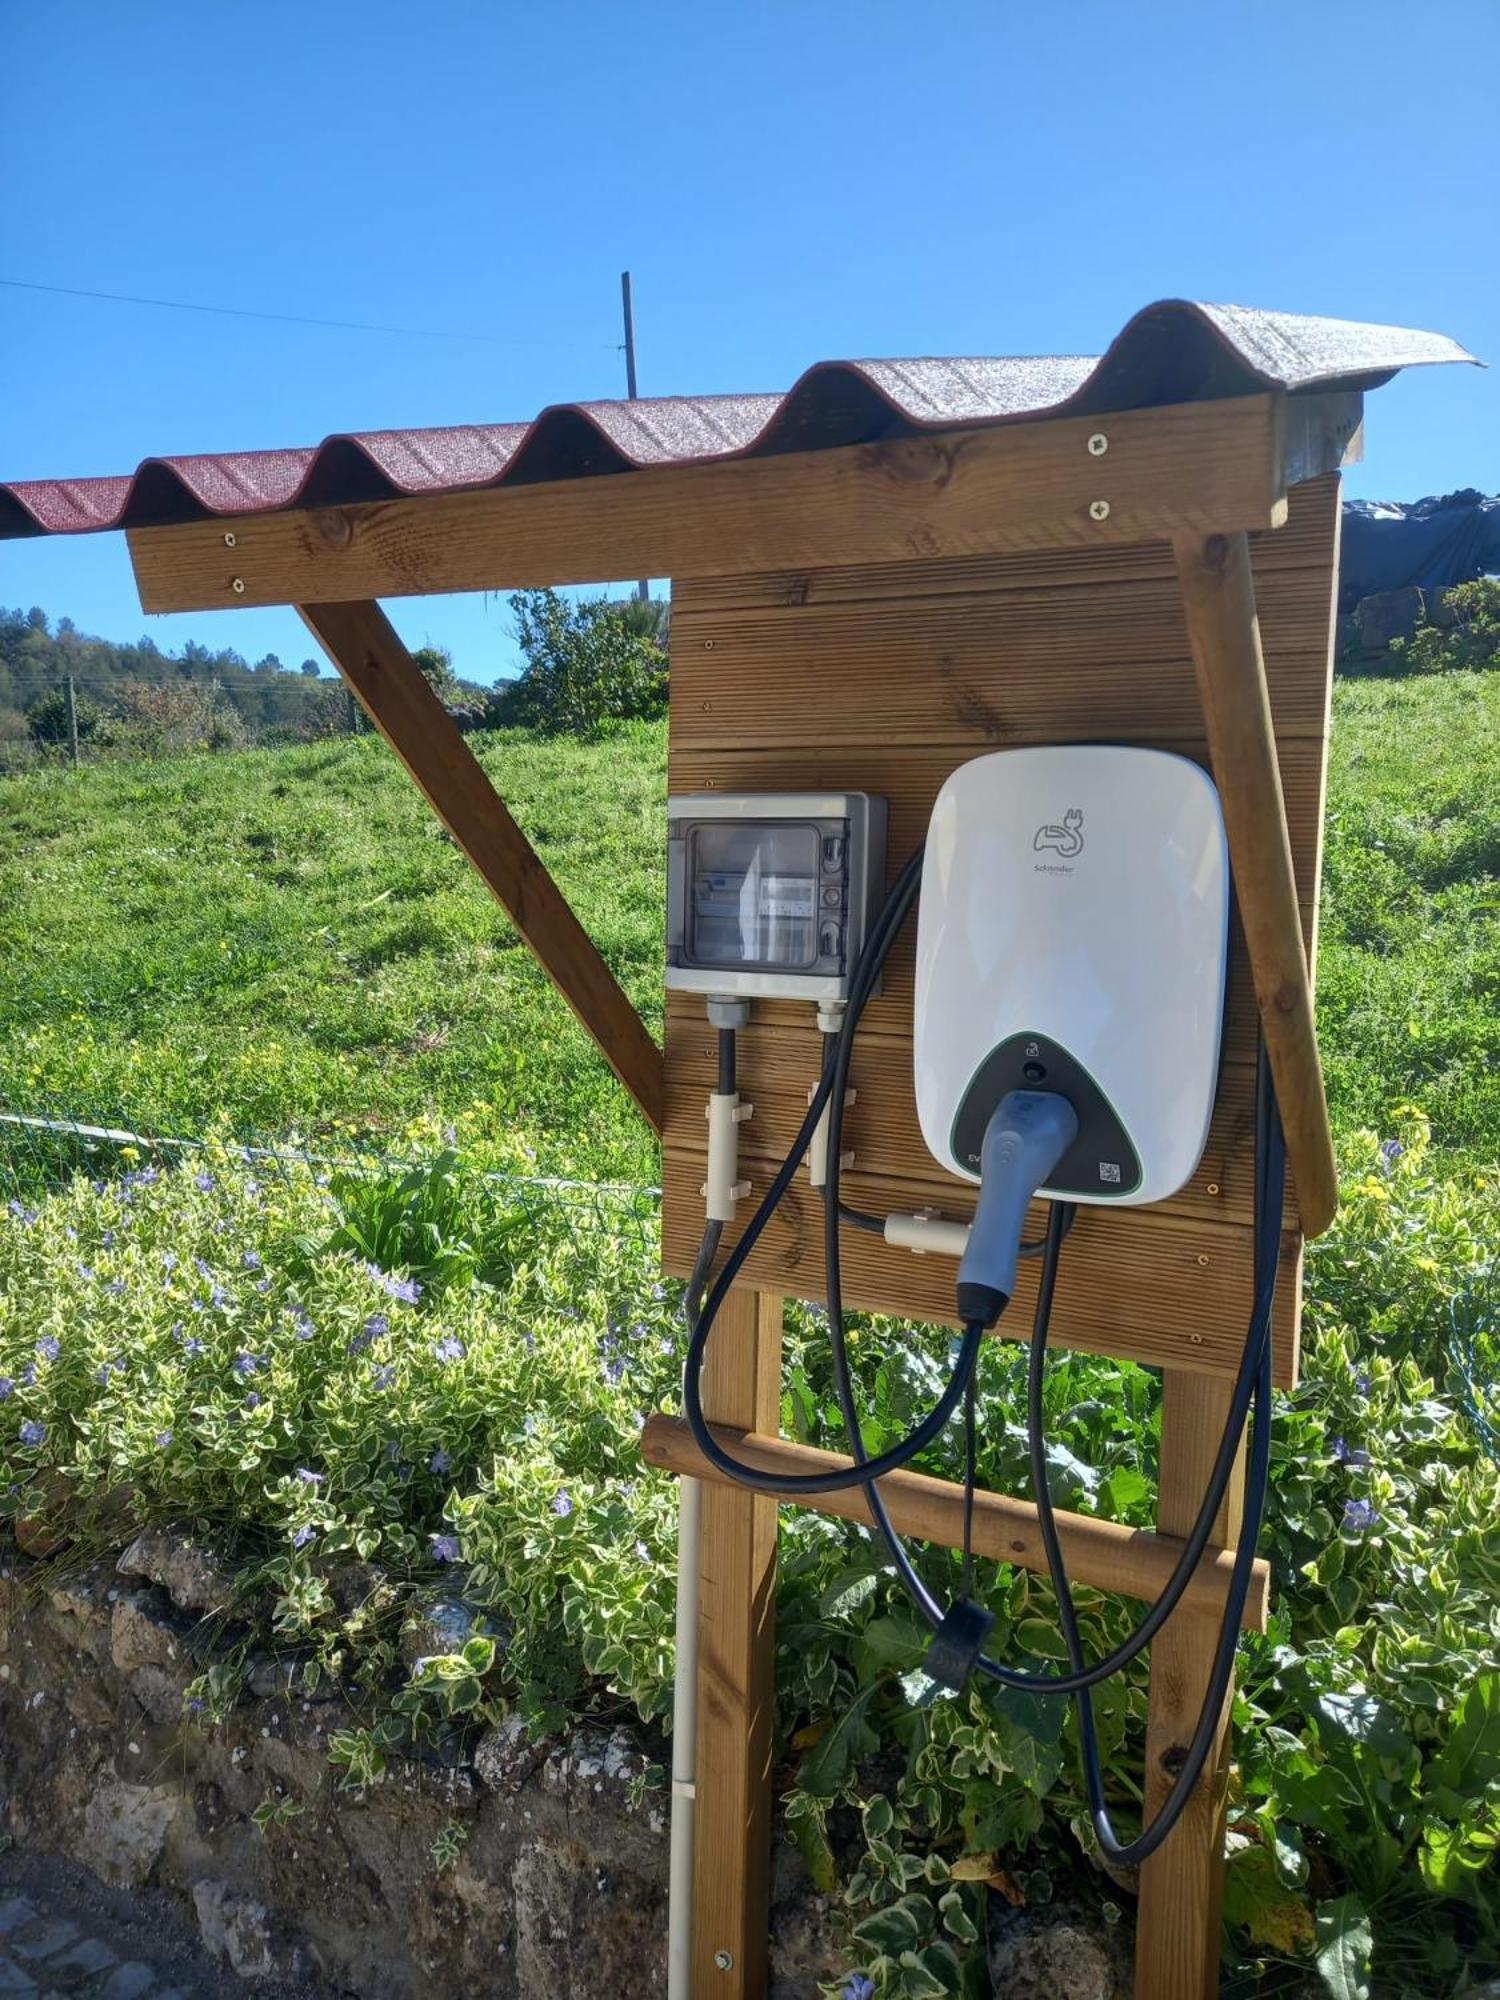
pixel 998 718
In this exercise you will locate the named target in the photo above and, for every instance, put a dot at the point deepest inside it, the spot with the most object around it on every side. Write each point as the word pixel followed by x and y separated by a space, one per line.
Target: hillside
pixel 288 934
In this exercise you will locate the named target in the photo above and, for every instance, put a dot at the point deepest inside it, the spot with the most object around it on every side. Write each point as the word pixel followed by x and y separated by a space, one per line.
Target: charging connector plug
pixel 1028 1133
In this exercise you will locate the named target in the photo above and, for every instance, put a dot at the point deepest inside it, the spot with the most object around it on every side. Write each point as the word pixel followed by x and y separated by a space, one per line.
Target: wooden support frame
pixel 364 646
pixel 1085 496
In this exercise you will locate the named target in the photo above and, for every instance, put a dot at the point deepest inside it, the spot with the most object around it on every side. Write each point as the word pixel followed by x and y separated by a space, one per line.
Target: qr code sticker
pixel 1109 1172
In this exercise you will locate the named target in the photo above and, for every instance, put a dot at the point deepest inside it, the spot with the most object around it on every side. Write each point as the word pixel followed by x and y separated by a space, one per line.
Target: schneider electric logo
pixel 1066 841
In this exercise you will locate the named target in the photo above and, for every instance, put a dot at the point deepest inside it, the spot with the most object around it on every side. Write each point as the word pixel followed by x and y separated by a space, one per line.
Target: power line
pixel 303 319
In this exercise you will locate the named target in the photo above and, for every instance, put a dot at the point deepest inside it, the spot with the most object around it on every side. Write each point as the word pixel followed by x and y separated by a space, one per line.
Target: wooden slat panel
pixel 1193 466
pixel 898 730
pixel 1301 544
pixel 1162 1290
pixel 890 1013
pixel 909 779
pixel 1089 662
pixel 777 1066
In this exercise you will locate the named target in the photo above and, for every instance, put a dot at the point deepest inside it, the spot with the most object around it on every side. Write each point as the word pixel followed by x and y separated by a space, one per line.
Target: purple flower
pixel 251 1260
pixel 377 1326
pixel 449 1348
pixel 309 1478
pixel 204 1183
pixel 7 1388
pixel 1347 1454
pixel 263 1285
pixel 247 1364
pixel 107 1240
pixel 253 1400
pixel 163 1439
pixel 1360 1515
pixel 85 1271
pixel 858 1988
pixel 169 1260
pixel 562 1504
pixel 302 1537
pixel 115 1286
pixel 302 1323
pixel 194 1704
pixel 1390 1152
pixel 219 1297
pixel 382 1378
pixel 49 1347
pixel 193 1345
pixel 445 1548
pixel 32 1432
pixel 440 1465
pixel 614 1370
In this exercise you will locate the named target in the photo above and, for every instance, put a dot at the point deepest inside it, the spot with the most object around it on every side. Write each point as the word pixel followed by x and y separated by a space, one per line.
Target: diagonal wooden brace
pixel 1218 599
pixel 367 651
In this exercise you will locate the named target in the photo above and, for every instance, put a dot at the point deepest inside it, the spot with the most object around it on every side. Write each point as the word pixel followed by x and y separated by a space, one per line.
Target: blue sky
pixel 787 183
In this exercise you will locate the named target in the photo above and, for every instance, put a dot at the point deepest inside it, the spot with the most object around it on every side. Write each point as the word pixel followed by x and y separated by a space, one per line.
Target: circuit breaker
pixel 770 894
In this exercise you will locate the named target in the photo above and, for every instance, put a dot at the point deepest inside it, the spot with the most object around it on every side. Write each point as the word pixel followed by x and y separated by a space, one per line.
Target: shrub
pixel 49 722
pixel 1471 639
pixel 586 664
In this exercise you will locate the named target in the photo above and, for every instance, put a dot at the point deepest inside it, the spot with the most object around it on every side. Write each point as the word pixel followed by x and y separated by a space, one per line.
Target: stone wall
pixel 558 1885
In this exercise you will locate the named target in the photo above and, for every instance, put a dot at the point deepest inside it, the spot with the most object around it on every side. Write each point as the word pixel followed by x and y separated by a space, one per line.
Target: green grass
pixel 289 935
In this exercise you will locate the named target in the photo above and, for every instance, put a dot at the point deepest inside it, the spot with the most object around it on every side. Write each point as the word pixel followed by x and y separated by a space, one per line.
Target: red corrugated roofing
pixel 1171 352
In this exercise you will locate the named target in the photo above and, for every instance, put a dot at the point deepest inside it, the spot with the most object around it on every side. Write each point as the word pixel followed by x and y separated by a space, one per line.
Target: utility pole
pixel 73 720
pixel 643 588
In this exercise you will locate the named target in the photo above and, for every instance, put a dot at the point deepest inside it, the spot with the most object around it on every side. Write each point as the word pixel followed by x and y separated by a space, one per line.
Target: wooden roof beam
pixel 1191 468
pixel 367 651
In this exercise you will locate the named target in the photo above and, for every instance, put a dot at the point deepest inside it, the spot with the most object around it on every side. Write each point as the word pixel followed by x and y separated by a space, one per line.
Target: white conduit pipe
pixel 684 1745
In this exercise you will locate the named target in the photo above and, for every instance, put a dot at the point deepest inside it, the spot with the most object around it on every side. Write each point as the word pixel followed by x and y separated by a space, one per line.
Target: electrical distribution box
pixel 770 894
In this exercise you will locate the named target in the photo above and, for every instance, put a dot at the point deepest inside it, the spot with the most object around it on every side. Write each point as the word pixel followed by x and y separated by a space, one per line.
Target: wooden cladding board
pixel 884 678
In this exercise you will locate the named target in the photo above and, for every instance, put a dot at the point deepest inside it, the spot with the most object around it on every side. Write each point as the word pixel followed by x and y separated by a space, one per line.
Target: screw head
pixel 724 1960
pixel 229 541
pixel 1098 510
pixel 238 586
pixel 1098 445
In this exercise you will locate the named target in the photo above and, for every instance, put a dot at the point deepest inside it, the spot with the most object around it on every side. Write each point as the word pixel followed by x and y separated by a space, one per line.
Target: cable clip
pixel 958 1643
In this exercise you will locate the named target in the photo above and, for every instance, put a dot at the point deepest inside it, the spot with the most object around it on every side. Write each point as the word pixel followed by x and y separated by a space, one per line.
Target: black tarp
pixel 1431 543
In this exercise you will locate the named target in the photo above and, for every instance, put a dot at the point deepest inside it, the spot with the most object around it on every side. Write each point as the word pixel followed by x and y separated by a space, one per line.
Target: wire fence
pixel 42 1149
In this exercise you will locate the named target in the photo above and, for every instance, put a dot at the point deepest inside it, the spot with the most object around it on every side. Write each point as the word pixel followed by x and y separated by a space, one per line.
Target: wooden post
pixel 364 646
pixel 1182 1885
pixel 1218 598
pixel 736 1669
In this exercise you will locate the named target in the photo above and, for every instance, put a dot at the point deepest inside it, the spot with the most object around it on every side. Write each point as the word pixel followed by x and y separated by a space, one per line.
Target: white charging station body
pixel 1072 936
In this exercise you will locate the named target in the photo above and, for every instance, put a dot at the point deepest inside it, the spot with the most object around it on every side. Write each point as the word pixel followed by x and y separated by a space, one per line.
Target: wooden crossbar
pixel 1102 1554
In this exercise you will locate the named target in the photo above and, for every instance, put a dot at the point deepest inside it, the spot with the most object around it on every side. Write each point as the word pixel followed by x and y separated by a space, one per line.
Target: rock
pixel 1056 1954
pixel 126 1828
pixel 507 1756
pixel 270 1675
pixel 141 1633
pixel 235 1927
pixel 581 1930
pixel 592 1768
pixel 353 1585
pixel 1389 614
pixel 808 1931
pixel 194 1574
pixel 440 1625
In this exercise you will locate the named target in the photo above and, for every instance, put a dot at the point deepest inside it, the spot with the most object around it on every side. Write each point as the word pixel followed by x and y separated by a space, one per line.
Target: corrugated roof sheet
pixel 1171 352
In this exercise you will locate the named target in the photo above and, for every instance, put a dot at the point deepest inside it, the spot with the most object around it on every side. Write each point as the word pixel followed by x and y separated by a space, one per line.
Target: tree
pixel 436 664
pixel 48 717
pixel 310 668
pixel 586 663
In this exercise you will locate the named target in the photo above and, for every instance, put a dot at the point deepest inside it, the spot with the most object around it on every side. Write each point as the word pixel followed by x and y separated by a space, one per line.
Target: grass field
pixel 289 935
